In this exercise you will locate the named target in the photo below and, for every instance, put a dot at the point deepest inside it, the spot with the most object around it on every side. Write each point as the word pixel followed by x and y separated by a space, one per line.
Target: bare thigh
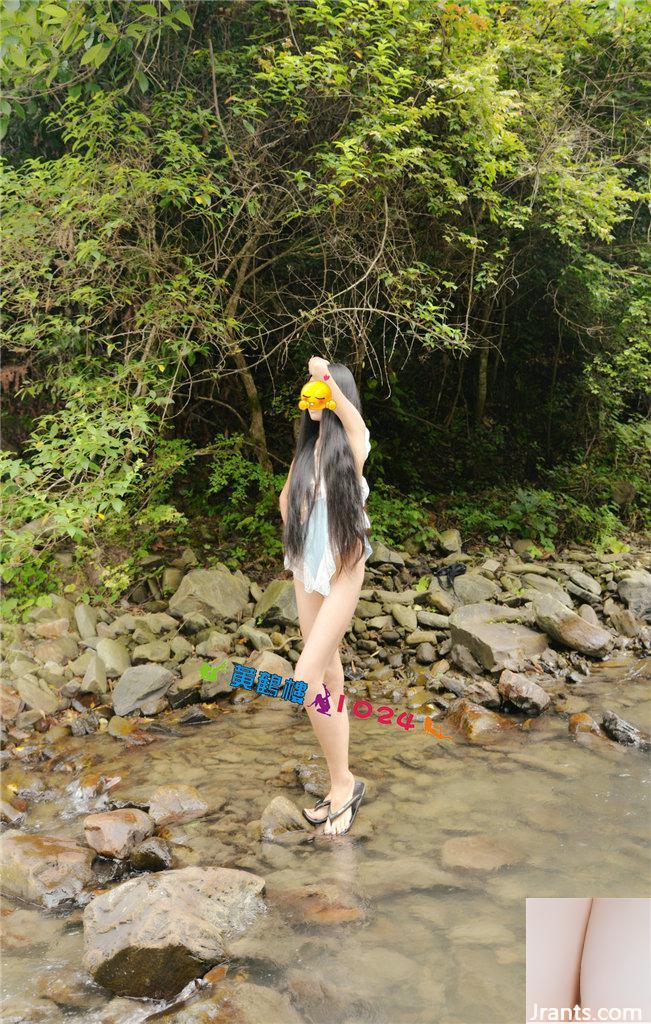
pixel 308 604
pixel 555 933
pixel 326 631
pixel 616 955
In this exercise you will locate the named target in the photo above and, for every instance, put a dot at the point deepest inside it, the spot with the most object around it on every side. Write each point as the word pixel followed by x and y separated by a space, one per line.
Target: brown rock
pixel 570 629
pixel 523 692
pixel 477 723
pixel 45 869
pixel 477 853
pixel 582 723
pixel 117 833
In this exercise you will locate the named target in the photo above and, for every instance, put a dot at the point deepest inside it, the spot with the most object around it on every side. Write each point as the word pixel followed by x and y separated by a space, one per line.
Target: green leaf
pixel 97 54
pixel 56 12
pixel 148 9
pixel 143 81
pixel 182 16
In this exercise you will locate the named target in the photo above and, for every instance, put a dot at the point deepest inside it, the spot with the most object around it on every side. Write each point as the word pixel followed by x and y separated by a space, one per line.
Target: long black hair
pixel 346 525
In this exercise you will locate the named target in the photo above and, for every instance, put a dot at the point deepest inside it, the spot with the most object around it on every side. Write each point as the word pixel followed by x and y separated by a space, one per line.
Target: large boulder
pixel 568 628
pixel 217 593
pixel 634 586
pixel 495 635
pixel 150 936
pixel 278 604
pixel 117 833
pixel 140 685
pixel 45 870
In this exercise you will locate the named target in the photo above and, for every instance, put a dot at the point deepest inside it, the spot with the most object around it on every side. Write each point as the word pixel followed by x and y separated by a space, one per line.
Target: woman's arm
pixel 351 420
pixel 282 500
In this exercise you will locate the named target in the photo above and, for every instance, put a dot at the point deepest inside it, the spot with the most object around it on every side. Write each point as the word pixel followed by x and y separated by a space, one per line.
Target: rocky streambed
pixel 155 862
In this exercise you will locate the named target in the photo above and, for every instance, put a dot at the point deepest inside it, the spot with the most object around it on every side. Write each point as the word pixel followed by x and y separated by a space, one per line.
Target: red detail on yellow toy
pixel 316 395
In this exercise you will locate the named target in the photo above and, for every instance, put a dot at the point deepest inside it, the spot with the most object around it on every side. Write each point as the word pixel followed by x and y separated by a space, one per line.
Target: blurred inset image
pixel 588 959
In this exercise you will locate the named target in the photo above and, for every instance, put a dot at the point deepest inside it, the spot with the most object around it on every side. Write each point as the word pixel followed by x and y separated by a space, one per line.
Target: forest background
pixel 451 198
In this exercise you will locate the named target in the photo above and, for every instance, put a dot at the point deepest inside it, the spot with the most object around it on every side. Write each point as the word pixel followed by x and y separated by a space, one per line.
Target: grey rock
pixel 116 833
pixel 157 651
pixel 495 636
pixel 587 612
pixel 625 622
pixel 634 586
pixel 150 936
pixel 450 540
pixel 433 620
pixel 139 685
pixel 152 854
pixel 260 640
pixel 281 816
pixel 570 629
pixel 546 585
pixel 464 660
pixel 426 654
pixel 171 580
pixel 368 609
pixel 216 593
pixel 585 582
pixel 86 619
pixel 523 693
pixel 37 694
pixel 382 555
pixel 60 651
pixel 176 803
pixel 114 655
pixel 404 616
pixel 473 588
pixel 278 604
pixel 95 677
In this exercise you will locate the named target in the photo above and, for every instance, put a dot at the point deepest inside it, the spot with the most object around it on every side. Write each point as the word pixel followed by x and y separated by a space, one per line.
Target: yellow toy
pixel 316 395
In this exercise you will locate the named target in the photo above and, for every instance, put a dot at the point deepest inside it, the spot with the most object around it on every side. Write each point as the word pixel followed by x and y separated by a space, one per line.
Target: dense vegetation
pixel 449 197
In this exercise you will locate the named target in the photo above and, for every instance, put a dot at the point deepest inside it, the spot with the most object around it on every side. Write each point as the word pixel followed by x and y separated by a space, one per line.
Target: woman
pixel 326 546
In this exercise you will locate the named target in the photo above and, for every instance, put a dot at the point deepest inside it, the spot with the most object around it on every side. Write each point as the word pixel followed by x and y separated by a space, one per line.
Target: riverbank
pixel 126 771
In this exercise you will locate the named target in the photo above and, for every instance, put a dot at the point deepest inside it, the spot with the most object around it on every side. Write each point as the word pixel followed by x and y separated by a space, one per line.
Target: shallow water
pixel 408 937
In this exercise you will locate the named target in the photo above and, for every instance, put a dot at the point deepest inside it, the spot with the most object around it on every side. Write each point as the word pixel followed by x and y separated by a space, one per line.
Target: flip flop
pixel 317 806
pixel 354 802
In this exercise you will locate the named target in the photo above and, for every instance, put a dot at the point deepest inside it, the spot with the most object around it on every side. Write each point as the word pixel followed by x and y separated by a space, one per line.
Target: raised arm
pixel 351 420
pixel 282 500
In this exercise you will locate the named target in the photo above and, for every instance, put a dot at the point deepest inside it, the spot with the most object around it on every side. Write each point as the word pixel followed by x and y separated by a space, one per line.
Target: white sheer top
pixel 319 563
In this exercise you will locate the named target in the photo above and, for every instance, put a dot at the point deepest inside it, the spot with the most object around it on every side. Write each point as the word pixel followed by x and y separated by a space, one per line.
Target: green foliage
pixel 395 518
pixel 245 502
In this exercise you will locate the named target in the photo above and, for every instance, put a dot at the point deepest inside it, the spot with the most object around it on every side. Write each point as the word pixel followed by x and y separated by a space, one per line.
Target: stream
pixel 406 933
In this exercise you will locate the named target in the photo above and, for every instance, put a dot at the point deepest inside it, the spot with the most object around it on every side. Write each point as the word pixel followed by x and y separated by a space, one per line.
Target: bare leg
pixel 331 622
pixel 615 965
pixel 555 932
pixel 308 604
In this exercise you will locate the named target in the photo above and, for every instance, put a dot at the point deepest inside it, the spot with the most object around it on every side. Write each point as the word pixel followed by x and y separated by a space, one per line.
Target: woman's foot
pixel 339 795
pixel 317 815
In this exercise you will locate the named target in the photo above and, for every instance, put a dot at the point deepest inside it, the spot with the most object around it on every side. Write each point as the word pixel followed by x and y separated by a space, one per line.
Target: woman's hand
pixel 318 367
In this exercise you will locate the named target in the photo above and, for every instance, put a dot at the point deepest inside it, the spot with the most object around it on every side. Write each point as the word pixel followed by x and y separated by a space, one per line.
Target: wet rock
pixel 117 833
pixel 138 685
pixel 523 693
pixel 151 935
pixel 114 656
pixel 623 732
pixel 45 870
pixel 72 990
pixel 634 587
pixel 477 853
pixel 316 905
pixel 152 854
pixel 86 619
pixel 477 723
pixel 9 814
pixel 216 593
pixel 582 723
pixel 120 728
pixel 280 817
pixel 473 588
pixel 480 691
pixel 238 1002
pixel 313 778
pixel 495 636
pixel 570 629
pixel 482 932
pixel 404 616
pixel 278 604
pixel 450 541
pixel 176 803
pixel 37 694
